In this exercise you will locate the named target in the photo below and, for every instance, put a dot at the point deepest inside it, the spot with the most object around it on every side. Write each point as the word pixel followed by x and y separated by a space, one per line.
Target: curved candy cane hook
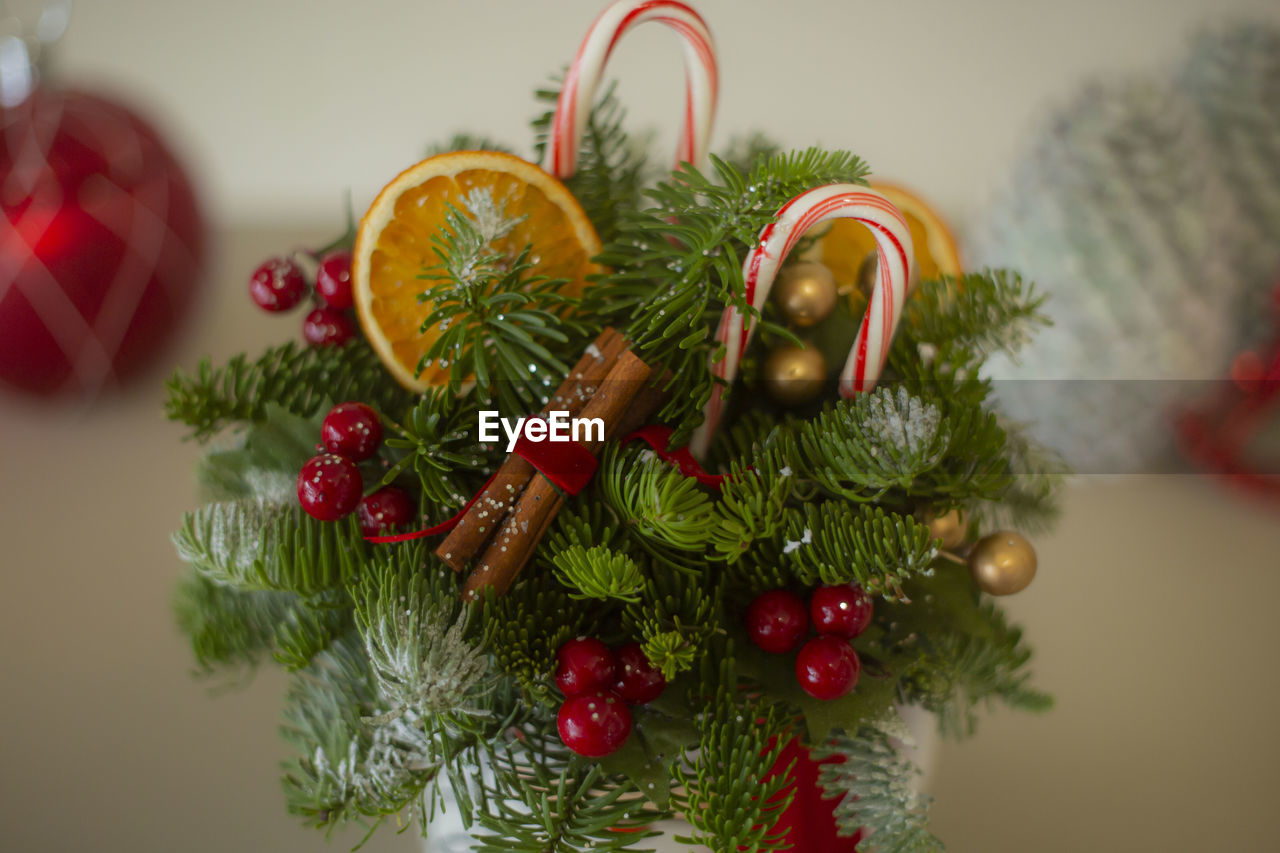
pixel 896 256
pixel 580 84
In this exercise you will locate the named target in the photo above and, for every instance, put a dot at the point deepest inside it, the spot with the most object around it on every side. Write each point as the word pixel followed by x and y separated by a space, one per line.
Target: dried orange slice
pixel 512 199
pixel 846 244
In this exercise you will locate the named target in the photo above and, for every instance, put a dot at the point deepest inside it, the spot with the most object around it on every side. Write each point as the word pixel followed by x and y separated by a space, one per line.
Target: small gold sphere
pixel 805 293
pixel 794 374
pixel 1002 563
pixel 867 274
pixel 950 527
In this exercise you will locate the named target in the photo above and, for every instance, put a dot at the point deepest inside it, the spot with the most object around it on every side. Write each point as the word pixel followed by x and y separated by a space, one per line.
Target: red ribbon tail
pixel 658 437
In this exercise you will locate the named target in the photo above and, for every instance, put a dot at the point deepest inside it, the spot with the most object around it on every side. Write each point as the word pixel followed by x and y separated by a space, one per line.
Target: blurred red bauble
pixel 102 247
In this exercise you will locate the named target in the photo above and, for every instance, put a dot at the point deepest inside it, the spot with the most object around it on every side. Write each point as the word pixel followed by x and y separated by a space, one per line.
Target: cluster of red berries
pixel 330 485
pixel 827 666
pixel 599 685
pixel 279 284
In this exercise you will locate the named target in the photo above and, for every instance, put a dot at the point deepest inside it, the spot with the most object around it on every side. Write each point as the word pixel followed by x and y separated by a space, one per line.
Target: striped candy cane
pixel 580 84
pixel 871 347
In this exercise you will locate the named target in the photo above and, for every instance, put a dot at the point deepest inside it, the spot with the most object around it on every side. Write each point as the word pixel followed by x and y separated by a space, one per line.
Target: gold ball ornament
pixel 950 527
pixel 867 271
pixel 1002 563
pixel 794 374
pixel 805 293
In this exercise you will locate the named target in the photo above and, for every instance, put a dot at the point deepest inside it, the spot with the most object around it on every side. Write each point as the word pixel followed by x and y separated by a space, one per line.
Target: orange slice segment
pixel 509 198
pixel 846 244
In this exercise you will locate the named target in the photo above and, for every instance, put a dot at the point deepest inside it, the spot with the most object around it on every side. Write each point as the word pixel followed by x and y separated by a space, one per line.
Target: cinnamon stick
pixel 514 544
pixel 479 522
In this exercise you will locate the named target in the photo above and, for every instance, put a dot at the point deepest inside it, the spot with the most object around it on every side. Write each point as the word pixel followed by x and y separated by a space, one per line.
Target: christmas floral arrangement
pixel 571 526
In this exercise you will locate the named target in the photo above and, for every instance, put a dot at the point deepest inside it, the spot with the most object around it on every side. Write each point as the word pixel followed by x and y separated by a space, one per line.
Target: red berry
pixel 843 611
pixel 277 285
pixel 585 664
pixel 333 279
pixel 327 327
pixel 827 667
pixel 353 430
pixel 777 620
pixel 639 681
pixel 594 724
pixel 329 486
pixel 386 509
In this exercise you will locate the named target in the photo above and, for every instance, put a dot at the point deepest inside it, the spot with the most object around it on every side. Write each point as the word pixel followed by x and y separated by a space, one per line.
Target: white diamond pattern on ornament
pixel 139 218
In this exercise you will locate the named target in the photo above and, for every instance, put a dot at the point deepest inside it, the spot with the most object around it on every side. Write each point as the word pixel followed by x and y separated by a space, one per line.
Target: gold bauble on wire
pixel 794 374
pixel 805 293
pixel 867 274
pixel 950 527
pixel 1002 563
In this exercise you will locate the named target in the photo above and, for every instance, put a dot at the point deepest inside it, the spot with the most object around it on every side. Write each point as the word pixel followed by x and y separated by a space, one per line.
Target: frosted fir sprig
pixel 497 322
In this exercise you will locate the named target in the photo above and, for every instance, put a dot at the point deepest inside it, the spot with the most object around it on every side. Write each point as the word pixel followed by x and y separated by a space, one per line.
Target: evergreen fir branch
pixel 344 769
pixel 543 802
pixel 611 166
pixel 585 522
pixel 674 619
pixel 836 543
pixel 228 626
pixel 761 568
pixel 750 437
pixel 261 545
pixel 866 445
pixel 260 462
pixel 1036 475
pixel 527 626
pixel 464 141
pixel 747 150
pixel 598 573
pixel 298 379
pixel 435 437
pixel 968 671
pixel 751 508
pixel 497 322
pixel 306 631
pixel 875 787
pixel 653 500
pixel 984 312
pixel 722 786
pixel 415 634
pixel 965 653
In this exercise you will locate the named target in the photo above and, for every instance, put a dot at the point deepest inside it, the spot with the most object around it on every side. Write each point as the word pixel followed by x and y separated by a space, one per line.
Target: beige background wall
pixel 1154 611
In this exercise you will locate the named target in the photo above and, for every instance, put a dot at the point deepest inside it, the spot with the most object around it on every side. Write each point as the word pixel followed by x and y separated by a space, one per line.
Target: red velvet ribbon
pixel 658 437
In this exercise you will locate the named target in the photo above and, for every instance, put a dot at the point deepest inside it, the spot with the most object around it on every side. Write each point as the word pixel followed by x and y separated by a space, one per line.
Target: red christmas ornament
pixel 594 724
pixel 827 667
pixel 639 681
pixel 777 620
pixel 386 509
pixel 329 487
pixel 584 664
pixel 842 611
pixel 102 246
pixel 277 285
pixel 353 430
pixel 327 327
pixel 333 279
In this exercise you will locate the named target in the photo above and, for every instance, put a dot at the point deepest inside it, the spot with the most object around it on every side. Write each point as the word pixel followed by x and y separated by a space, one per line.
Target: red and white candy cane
pixel 580 84
pixel 871 347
